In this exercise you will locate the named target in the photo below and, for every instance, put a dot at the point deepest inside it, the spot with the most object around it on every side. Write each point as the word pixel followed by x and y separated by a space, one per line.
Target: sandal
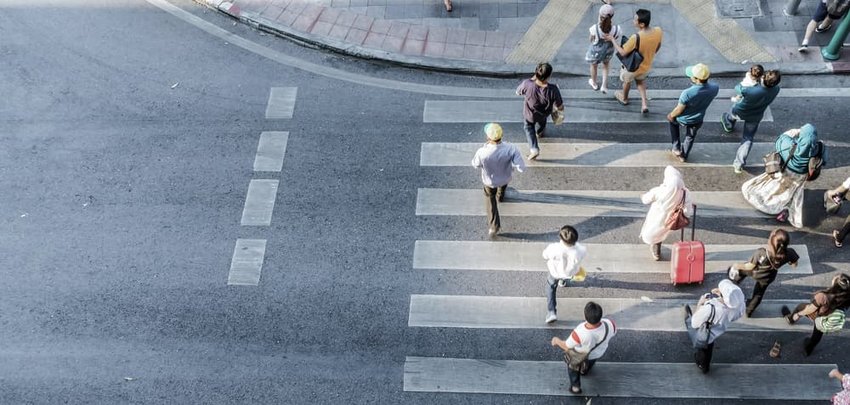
pixel 448 4
pixel 776 350
pixel 575 390
pixel 783 216
pixel 835 239
pixel 619 96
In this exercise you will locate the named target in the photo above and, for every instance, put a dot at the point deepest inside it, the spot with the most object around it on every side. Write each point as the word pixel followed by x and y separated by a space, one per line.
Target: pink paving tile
pixel 475 38
pixel 392 44
pixel 454 51
pixel 363 22
pixel 417 32
pixel 296 7
pixel 303 23
pixel 493 38
pixel 374 40
pixel 398 29
pixel 322 28
pixel 493 53
pixel 312 11
pixel 413 47
pixel 281 3
pixel 330 15
pixel 339 31
pixel 347 18
pixel 473 52
pixel 840 67
pixel 381 27
pixel 272 12
pixel 456 36
pixel 287 18
pixel 356 36
pixel 434 49
pixel 437 34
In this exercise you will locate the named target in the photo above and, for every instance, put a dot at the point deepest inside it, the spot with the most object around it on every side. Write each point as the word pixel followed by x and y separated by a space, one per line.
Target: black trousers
pixel 844 230
pixel 758 291
pixel 816 336
pixel 703 357
pixel 494 196
pixel 575 376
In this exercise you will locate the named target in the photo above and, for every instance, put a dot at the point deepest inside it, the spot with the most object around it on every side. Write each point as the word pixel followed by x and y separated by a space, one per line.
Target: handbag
pixel 703 334
pixel 677 219
pixel 632 61
pixel 773 162
pixel 577 361
pixel 831 323
pixel 557 116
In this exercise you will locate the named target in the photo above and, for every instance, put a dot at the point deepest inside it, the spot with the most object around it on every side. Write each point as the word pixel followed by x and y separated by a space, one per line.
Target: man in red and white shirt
pixel 591 336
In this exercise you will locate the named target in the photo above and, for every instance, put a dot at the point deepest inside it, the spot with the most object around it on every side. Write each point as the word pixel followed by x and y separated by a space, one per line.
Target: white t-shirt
pixel 583 338
pixel 563 261
pixel 615 30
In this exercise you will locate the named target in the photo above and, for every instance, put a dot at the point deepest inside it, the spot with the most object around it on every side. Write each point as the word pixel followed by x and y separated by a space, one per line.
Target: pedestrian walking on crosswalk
pixel 541 97
pixel 563 259
pixel 588 340
pixel 842 397
pixel 715 311
pixel 663 199
pixel 837 195
pixel 754 101
pixel 764 265
pixel 647 41
pixel 823 304
pixel 781 193
pixel 690 110
pixel 497 160
pixel 600 50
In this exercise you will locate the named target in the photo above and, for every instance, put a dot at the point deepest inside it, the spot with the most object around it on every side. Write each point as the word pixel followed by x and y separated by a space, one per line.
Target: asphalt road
pixel 128 138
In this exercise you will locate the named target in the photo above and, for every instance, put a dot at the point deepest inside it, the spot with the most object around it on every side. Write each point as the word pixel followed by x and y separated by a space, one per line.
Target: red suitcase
pixel 687 264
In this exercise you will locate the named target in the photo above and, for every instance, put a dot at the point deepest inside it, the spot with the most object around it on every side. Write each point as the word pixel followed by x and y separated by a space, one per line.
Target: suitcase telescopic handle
pixel 693 224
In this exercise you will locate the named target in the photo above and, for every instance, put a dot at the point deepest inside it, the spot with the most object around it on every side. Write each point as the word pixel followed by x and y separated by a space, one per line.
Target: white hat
pixel 606 9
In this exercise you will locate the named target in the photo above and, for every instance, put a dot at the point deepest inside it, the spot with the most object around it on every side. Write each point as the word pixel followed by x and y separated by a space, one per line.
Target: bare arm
pixel 676 112
pixel 556 342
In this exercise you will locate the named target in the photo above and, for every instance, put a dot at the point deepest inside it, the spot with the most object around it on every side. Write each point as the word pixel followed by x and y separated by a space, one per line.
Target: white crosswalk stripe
pixel 576 111
pixel 629 380
pixel 573 203
pixel 657 315
pixel 527 256
pixel 596 154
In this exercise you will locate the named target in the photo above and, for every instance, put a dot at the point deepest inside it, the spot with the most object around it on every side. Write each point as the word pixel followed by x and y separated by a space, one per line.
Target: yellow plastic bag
pixel 580 276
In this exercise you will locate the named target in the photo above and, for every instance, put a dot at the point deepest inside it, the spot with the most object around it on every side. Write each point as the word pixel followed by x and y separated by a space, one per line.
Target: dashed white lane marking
pixel 270 151
pixel 259 203
pixel 247 262
pixel 281 103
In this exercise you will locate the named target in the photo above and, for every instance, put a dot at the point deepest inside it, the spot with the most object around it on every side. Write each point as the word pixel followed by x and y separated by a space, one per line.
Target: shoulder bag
pixel 577 361
pixel 677 219
pixel 703 334
pixel 632 61
pixel 773 162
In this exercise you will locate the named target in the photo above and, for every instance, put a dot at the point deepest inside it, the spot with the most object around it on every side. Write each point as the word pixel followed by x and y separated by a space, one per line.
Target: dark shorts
pixel 820 13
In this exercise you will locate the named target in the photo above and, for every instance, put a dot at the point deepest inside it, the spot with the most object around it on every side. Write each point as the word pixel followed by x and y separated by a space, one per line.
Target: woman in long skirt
pixel 663 199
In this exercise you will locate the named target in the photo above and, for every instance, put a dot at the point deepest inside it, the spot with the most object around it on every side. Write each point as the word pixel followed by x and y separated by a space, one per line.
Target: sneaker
pixel 493 231
pixel 737 169
pixel 593 84
pixel 835 239
pixel 534 154
pixel 803 48
pixel 604 89
pixel 551 317
pixel 824 29
pixel 726 123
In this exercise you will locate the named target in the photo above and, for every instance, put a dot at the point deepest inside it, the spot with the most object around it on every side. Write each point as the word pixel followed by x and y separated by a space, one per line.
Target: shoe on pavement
pixel 835 239
pixel 593 84
pixel 534 154
pixel 541 134
pixel 737 169
pixel 824 29
pixel 604 89
pixel 803 48
pixel 493 231
pixel 783 216
pixel 551 317
pixel 726 123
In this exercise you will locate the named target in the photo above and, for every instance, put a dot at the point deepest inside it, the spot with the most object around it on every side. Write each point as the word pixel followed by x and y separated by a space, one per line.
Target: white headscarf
pixel 733 298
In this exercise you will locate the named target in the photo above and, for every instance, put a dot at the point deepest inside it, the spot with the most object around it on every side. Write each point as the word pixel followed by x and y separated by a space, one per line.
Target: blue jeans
pixel 575 376
pixel 747 136
pixel 531 130
pixel 690 133
pixel 551 289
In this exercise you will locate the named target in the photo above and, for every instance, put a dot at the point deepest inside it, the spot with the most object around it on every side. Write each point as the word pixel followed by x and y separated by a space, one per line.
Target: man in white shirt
pixel 590 337
pixel 563 260
pixel 496 159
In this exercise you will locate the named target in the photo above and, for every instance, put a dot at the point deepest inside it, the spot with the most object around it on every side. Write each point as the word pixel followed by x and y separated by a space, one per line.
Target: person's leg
pixel 575 380
pixel 626 77
pixel 819 16
pixel 531 137
pixel 541 128
pixel 758 294
pixel 690 136
pixel 606 68
pixel 708 351
pixel 674 137
pixel 656 251
pixel 492 208
pixel 747 136
pixel 844 230
pixel 644 102
pixel 593 82
pixel 590 364
pixel 812 341
pixel 551 290
pixel 500 193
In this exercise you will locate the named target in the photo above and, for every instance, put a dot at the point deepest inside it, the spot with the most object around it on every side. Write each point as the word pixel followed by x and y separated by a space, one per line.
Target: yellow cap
pixel 698 71
pixel 493 131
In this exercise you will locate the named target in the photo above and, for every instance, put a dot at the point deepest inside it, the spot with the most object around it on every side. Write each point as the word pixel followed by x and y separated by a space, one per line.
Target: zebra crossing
pixel 644 314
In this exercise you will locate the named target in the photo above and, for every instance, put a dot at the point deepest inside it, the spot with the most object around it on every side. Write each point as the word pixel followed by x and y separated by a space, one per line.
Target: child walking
pixel 600 50
pixel 751 79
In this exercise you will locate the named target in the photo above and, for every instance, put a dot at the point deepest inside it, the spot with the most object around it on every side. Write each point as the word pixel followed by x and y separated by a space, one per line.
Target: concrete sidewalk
pixel 509 37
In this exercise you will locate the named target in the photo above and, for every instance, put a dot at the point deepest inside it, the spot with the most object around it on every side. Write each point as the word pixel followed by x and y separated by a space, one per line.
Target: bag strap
pixel 603 338
pixel 710 320
pixel 637 42
pixel 790 155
